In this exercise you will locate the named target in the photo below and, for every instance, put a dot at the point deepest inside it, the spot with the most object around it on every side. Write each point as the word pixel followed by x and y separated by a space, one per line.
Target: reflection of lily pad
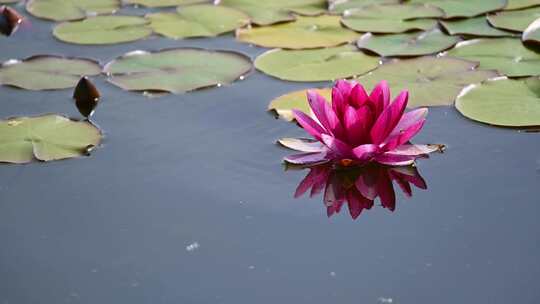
pixel 46 72
pixel 503 102
pixel 64 10
pixel 340 6
pixel 514 20
pixel 391 18
pixel 506 55
pixel 477 26
pixel 197 21
pixel 103 30
pixel 164 3
pixel 304 33
pixel 177 70
pixel 46 138
pixel 532 32
pixel 408 44
pixel 431 81
pixel 517 4
pixel 465 8
pixel 316 65
pixel 264 12
pixel 284 104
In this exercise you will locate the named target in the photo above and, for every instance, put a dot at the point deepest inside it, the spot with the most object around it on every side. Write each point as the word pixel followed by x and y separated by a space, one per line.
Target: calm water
pixel 187 202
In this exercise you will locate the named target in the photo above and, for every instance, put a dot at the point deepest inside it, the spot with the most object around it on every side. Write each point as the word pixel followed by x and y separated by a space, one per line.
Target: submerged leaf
pixel 304 33
pixel 86 97
pixel 514 20
pixel 283 105
pixel 465 8
pixel 503 102
pixel 46 72
pixel 46 138
pixel 103 30
pixel 197 21
pixel 477 26
pixel 316 65
pixel 10 20
pixel 65 10
pixel 177 70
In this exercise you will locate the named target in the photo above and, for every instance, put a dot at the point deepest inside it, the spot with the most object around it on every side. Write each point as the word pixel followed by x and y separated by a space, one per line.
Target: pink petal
pixel 408 119
pixel 306 158
pixel 308 124
pixel 365 152
pixel 415 150
pixel 301 144
pixel 339 100
pixel 358 96
pixel 389 118
pixel 318 105
pixel 336 145
pixel 354 126
pixel 380 96
pixel 402 138
pixel 394 159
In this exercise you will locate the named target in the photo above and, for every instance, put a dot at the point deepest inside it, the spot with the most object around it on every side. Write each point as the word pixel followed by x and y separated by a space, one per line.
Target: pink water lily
pixel 357 128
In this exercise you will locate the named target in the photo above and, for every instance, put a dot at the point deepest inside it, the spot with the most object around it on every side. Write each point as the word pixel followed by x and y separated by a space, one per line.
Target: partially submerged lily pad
pixel 66 10
pixel 177 70
pixel 340 6
pixel 316 65
pixel 391 18
pixel 503 102
pixel 304 33
pixel 46 72
pixel 532 32
pixel 103 30
pixel 506 55
pixel 263 12
pixel 465 8
pixel 165 3
pixel 477 26
pixel 408 44
pixel 45 138
pixel 283 105
pixel 514 20
pixel 197 21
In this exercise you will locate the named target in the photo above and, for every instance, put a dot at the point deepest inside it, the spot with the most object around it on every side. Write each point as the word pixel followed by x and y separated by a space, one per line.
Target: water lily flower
pixel 359 186
pixel 357 128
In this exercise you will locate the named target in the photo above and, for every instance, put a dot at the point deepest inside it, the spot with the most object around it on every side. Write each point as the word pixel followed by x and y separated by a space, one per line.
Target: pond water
pixel 187 202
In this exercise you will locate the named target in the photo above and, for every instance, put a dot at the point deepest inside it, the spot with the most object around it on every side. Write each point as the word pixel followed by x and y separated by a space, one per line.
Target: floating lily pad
pixel 165 3
pixel 532 32
pixel 197 21
pixel 518 4
pixel 477 26
pixel 514 20
pixel 177 70
pixel 263 12
pixel 45 138
pixel 304 33
pixel 8 1
pixel 65 10
pixel 465 8
pixel 316 65
pixel 408 44
pixel 503 102
pixel 103 30
pixel 340 6
pixel 297 100
pixel 391 18
pixel 506 55
pixel 46 72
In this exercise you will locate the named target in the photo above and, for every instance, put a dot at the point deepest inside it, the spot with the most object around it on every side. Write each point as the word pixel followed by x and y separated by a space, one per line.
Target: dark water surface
pixel 120 226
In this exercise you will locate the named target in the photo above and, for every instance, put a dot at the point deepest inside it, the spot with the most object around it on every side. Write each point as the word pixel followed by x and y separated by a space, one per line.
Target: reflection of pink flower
pixel 359 128
pixel 359 186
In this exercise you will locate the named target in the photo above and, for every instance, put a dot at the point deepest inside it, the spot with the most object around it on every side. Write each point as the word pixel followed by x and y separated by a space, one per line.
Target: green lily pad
pixel 197 21
pixel 297 100
pixel 45 138
pixel 270 12
pixel 46 72
pixel 66 10
pixel 340 6
pixel 391 18
pixel 503 102
pixel 8 1
pixel 506 55
pixel 532 32
pixel 408 44
pixel 316 65
pixel 518 4
pixel 304 33
pixel 465 8
pixel 477 26
pixel 177 70
pixel 514 20
pixel 103 30
pixel 165 3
